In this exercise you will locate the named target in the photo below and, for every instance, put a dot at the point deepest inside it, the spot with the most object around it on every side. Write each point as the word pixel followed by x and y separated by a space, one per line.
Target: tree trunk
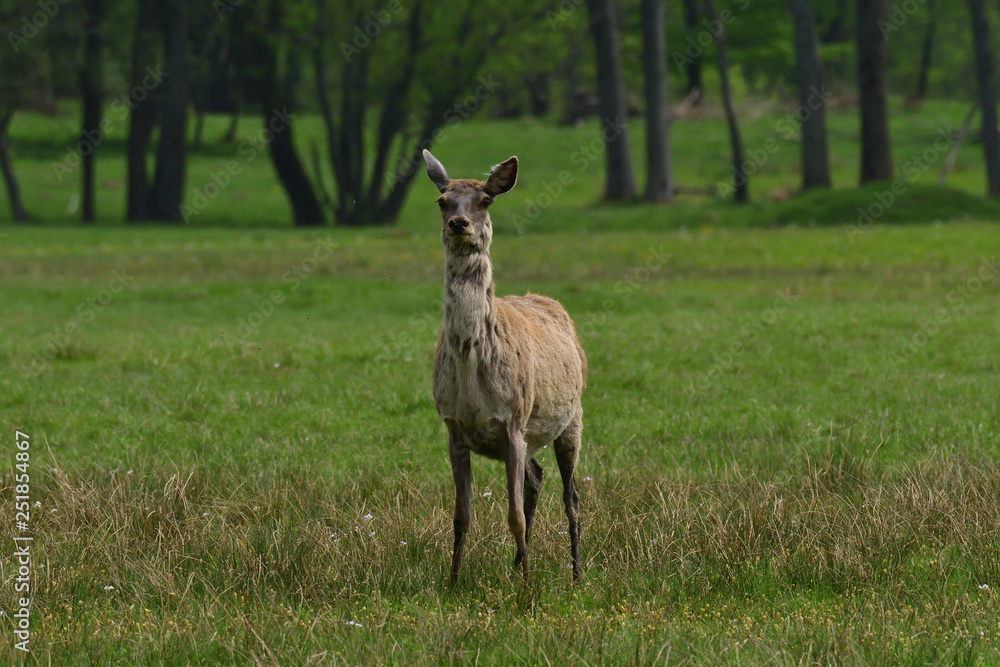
pixel 926 53
pixel 986 74
pixel 167 193
pixel 199 127
pixel 143 116
pixel 571 70
pixel 692 14
pixel 963 132
pixel 659 185
pixel 740 178
pixel 357 204
pixel 90 94
pixel 837 22
pixel 812 100
pixel 539 96
pixel 614 109
pixel 876 158
pixel 236 54
pixel 234 120
pixel 6 166
pixel 306 208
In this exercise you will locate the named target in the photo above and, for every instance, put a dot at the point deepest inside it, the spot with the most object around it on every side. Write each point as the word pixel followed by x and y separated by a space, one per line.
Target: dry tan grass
pixel 260 565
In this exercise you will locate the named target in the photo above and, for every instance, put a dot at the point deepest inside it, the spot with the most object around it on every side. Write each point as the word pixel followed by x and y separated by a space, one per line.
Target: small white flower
pixel 130 472
pixel 277 365
pixel 255 508
pixel 981 633
pixel 355 624
pixel 984 587
pixel 109 587
pixel 368 517
pixel 562 532
pixel 402 543
pixel 38 503
pixel 372 534
pixel 588 479
pixel 204 513
pixel 54 509
pixel 794 522
pixel 54 469
pixel 487 494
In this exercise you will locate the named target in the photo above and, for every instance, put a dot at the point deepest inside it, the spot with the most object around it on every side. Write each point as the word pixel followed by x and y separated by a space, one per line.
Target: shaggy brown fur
pixel 508 373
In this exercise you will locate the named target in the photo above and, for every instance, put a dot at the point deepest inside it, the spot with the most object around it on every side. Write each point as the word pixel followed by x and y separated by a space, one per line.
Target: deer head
pixel 464 202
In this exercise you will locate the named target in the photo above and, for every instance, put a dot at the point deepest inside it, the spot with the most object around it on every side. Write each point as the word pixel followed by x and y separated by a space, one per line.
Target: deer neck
pixel 469 310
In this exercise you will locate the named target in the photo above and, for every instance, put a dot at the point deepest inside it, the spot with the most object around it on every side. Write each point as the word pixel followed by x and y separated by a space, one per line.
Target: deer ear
pixel 502 177
pixel 436 171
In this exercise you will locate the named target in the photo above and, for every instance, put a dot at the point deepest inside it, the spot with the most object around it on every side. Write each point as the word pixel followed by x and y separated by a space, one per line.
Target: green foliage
pixel 21 53
pixel 762 42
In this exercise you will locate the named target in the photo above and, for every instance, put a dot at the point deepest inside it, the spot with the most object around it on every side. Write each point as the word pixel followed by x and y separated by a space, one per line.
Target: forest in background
pixel 387 79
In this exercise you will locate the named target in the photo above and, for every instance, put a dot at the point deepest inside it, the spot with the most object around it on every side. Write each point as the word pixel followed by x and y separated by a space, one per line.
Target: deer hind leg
pixel 515 460
pixel 567 447
pixel 461 469
pixel 533 475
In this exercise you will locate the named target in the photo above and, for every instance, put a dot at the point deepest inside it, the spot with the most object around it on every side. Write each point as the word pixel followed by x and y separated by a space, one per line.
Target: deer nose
pixel 458 225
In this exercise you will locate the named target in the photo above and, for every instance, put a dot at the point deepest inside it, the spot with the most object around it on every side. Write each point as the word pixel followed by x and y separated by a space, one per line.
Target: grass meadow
pixel 791 433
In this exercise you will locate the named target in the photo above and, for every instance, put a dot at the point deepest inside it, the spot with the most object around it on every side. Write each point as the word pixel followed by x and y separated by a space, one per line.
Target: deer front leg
pixel 461 470
pixel 515 459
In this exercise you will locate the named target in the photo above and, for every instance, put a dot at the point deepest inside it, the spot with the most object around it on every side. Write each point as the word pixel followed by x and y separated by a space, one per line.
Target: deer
pixel 509 373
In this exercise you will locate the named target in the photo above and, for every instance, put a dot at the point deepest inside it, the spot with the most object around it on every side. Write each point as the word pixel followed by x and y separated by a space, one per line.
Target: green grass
pixel 760 484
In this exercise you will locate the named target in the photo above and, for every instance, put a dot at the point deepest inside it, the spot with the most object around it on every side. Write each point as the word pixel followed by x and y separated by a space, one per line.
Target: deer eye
pixel 442 203
pixel 487 201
